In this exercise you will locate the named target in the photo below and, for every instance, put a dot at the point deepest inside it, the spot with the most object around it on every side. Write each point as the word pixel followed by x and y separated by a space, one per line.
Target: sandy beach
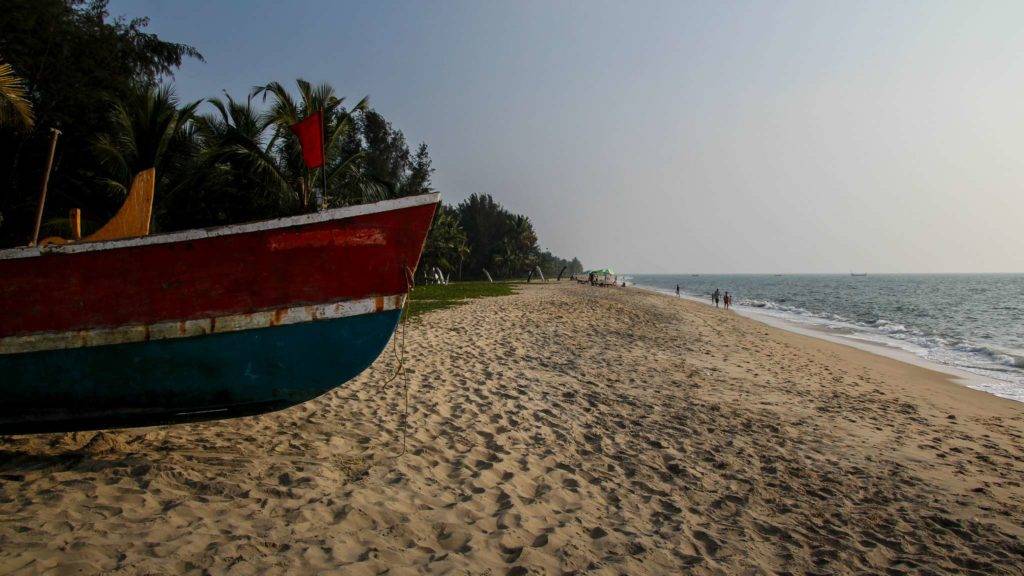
pixel 563 430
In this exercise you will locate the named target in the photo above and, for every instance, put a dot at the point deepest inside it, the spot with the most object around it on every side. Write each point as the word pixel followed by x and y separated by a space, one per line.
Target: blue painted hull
pixel 187 379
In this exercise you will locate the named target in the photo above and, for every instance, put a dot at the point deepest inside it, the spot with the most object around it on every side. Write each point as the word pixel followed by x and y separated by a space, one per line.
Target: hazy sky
pixel 664 137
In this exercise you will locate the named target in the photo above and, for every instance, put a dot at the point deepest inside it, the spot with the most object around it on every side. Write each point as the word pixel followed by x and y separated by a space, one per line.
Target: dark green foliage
pixel 551 265
pixel 518 250
pixel 221 161
pixel 388 161
pixel 74 61
pixel 486 224
pixel 147 129
pixel 446 246
pixel 480 234
pixel 349 180
pixel 417 180
pixel 228 175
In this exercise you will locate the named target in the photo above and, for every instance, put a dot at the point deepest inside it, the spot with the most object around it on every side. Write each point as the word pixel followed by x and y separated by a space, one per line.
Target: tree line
pixel 479 234
pixel 103 82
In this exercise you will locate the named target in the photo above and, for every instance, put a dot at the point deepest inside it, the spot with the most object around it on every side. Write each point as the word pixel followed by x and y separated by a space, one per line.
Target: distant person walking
pixel 677 290
pixel 727 300
pixel 715 296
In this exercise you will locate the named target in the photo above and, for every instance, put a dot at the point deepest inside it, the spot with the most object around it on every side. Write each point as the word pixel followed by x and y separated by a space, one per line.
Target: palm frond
pixel 15 108
pixel 283 110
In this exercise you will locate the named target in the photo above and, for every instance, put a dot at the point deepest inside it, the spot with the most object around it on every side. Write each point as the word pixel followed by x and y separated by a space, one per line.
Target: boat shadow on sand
pixel 142 454
pixel 72 451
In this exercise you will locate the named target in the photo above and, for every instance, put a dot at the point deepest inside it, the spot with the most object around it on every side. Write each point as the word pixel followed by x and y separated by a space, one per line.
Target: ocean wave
pixel 1000 356
pixel 934 323
pixel 891 327
pixel 970 356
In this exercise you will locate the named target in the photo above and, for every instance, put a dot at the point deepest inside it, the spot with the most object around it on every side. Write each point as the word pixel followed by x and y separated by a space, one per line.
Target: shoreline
pixel 957 375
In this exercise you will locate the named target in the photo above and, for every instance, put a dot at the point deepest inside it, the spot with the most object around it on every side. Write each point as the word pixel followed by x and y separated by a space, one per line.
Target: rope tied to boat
pixel 399 352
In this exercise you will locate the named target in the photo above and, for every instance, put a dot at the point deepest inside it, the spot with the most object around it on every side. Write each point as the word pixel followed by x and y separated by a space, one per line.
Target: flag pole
pixel 323 154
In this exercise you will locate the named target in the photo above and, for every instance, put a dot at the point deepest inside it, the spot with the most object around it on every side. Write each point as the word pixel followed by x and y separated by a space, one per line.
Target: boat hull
pixel 187 379
pixel 202 324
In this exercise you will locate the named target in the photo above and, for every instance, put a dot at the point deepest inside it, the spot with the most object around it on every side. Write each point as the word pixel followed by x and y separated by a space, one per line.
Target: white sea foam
pixel 998 371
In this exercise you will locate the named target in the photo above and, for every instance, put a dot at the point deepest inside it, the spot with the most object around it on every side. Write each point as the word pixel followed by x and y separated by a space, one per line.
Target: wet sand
pixel 566 429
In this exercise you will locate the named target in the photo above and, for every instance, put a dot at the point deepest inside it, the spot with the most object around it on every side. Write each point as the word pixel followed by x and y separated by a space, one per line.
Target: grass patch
pixel 436 296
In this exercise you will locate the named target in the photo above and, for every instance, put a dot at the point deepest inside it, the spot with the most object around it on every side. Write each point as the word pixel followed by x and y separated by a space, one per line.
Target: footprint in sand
pixel 454 540
pixel 710 545
pixel 511 554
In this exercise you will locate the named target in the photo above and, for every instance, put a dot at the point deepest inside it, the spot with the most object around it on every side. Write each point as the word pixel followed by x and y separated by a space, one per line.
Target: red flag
pixel 311 136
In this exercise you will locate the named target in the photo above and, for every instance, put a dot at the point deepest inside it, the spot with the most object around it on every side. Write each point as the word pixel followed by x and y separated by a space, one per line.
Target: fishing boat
pixel 858 273
pixel 124 329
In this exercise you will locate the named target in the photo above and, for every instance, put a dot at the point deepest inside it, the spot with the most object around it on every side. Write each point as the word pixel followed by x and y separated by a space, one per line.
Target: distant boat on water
pixel 858 273
pixel 202 324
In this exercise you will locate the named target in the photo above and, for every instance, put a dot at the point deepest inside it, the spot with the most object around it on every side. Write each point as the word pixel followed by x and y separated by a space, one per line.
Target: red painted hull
pixel 213 276
pixel 202 324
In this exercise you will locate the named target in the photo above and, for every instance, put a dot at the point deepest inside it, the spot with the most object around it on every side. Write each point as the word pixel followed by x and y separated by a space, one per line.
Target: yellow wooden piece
pixel 75 220
pixel 133 217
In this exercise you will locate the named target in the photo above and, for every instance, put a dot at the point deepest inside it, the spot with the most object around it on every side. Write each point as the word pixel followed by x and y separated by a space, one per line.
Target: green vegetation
pixel 73 61
pixel 439 296
pixel 104 83
pixel 15 109
pixel 479 234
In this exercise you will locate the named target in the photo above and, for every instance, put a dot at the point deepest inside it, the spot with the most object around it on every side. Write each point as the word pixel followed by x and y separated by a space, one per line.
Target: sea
pixel 972 323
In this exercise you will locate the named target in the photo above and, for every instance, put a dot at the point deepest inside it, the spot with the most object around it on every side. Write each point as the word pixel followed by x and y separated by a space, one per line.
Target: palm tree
pixel 236 140
pixel 147 130
pixel 462 252
pixel 519 245
pixel 346 182
pixel 446 246
pixel 15 109
pixel 508 257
